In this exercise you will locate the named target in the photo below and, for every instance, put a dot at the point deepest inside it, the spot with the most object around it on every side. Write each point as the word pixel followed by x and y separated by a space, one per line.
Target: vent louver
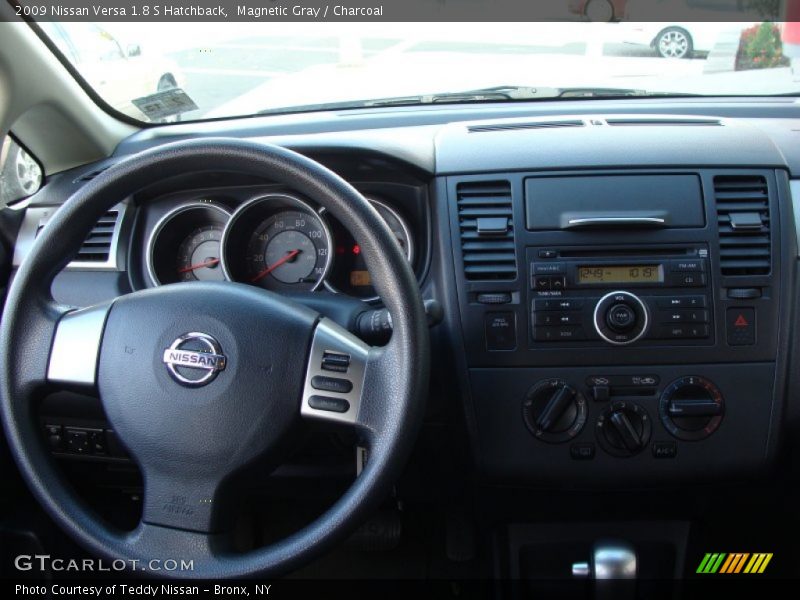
pixel 486 223
pixel 97 245
pixel 531 125
pixel 744 224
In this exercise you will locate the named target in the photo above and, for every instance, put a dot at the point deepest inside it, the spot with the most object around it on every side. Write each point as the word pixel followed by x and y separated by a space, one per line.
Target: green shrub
pixel 760 47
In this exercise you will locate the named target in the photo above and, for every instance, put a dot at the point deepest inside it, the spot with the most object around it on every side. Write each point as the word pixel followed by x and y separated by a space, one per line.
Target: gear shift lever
pixel 613 567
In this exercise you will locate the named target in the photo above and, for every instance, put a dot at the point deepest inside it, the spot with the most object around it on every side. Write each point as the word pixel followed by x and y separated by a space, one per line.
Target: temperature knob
pixel 691 408
pixel 553 411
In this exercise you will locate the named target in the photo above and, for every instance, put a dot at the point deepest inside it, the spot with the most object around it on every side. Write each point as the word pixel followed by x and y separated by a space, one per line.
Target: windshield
pixel 162 72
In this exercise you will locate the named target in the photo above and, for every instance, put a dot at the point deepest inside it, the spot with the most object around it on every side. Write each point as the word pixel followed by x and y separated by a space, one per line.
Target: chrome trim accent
pixel 36 217
pixel 331 337
pixel 794 192
pixel 217 363
pixel 410 251
pixel 614 560
pixel 76 346
pixel 277 195
pixel 636 299
pixel 162 222
pixel 589 221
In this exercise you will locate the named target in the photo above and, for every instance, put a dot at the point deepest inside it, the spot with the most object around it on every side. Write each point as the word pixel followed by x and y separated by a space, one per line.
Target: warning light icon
pixel 741 322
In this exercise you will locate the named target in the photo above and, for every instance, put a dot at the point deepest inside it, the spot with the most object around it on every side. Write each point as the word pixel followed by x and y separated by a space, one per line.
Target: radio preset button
pixel 567 333
pixel 684 316
pixel 563 304
pixel 681 302
pixel 557 318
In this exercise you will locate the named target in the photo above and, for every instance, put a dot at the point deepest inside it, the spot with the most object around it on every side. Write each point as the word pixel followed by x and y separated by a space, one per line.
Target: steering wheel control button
pixel 621 318
pixel 554 411
pixel 740 326
pixel 194 359
pixel 335 361
pixel 77 441
pixel 331 384
pixel 327 403
pixel 691 408
pixel 501 331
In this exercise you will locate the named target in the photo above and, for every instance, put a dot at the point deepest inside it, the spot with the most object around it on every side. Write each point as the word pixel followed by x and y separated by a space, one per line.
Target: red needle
pixel 208 263
pixel 289 256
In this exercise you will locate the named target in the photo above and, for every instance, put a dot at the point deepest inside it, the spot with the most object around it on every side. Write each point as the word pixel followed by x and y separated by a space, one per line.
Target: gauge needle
pixel 289 256
pixel 207 263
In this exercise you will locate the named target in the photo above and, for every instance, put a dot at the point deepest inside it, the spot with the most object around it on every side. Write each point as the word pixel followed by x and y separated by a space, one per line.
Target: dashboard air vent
pixel 531 125
pixel 744 224
pixel 486 223
pixel 97 245
pixel 664 121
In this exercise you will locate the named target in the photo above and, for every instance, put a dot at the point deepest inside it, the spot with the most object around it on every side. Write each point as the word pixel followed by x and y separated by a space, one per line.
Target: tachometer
pixel 185 244
pixel 277 242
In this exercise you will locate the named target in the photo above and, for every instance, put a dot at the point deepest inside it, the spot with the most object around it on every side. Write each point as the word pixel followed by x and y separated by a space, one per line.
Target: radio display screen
pixel 620 274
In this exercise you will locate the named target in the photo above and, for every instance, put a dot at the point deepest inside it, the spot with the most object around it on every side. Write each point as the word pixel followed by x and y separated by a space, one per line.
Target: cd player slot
pixel 626 252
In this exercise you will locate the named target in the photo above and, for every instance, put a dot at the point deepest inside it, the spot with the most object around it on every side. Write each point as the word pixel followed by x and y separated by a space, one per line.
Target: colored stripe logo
pixel 736 562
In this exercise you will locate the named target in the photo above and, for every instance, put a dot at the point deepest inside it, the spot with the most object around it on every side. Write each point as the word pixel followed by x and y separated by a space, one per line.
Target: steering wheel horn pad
pixel 211 431
pixel 248 357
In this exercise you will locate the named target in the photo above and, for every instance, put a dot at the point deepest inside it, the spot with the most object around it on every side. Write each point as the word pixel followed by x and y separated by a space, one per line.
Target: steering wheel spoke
pixel 75 350
pixel 335 375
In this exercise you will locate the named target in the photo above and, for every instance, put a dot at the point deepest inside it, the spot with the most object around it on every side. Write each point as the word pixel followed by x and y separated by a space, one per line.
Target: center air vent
pixel 486 223
pixel 744 224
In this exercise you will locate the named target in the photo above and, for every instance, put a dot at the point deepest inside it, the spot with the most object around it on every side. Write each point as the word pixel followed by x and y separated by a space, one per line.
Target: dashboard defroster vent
pixel 743 221
pixel 486 225
pixel 531 125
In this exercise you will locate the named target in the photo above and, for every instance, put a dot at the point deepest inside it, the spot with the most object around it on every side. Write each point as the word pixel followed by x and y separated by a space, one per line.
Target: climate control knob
pixel 553 411
pixel 624 429
pixel 691 408
pixel 620 318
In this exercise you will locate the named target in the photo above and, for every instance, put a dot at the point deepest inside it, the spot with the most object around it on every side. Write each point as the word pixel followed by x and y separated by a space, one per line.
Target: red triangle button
pixel 741 322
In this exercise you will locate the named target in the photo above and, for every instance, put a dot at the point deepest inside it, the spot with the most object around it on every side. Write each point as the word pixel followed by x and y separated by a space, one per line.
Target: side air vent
pixel 744 224
pixel 485 219
pixel 664 121
pixel 96 247
pixel 531 125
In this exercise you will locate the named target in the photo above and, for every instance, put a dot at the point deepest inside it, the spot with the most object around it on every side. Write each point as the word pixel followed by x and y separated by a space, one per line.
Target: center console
pixel 620 325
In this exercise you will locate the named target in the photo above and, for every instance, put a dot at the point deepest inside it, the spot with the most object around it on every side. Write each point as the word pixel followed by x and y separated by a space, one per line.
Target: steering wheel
pixel 202 380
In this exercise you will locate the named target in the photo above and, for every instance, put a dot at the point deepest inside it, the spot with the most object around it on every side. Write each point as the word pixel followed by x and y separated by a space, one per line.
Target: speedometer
pixel 277 242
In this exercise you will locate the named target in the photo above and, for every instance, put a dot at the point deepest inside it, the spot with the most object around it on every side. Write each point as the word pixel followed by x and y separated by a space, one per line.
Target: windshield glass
pixel 162 72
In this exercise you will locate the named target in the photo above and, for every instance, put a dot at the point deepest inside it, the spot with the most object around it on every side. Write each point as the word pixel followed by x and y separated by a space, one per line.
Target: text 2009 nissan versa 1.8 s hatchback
pixel 505 308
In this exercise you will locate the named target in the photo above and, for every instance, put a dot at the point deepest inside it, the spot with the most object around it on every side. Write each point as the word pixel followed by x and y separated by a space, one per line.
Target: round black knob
pixel 621 317
pixel 624 429
pixel 554 411
pixel 691 408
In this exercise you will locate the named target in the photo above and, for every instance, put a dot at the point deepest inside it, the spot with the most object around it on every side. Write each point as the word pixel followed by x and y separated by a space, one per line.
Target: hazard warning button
pixel 741 326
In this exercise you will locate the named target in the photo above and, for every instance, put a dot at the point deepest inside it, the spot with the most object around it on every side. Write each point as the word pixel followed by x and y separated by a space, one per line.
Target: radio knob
pixel 620 318
pixel 691 408
pixel 553 411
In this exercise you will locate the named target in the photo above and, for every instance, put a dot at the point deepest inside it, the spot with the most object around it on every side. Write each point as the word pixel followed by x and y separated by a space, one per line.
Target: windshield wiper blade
pixel 502 93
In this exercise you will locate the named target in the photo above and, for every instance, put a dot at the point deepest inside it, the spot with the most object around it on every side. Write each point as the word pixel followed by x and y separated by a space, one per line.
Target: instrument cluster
pixel 278 241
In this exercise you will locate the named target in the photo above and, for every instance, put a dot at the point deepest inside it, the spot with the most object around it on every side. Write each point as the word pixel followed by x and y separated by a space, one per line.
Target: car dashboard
pixel 617 279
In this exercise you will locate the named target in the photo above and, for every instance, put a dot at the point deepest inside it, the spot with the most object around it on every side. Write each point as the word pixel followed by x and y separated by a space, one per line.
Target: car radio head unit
pixel 620 295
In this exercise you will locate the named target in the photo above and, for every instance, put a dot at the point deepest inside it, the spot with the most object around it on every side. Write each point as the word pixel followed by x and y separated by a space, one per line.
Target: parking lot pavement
pixel 218 72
